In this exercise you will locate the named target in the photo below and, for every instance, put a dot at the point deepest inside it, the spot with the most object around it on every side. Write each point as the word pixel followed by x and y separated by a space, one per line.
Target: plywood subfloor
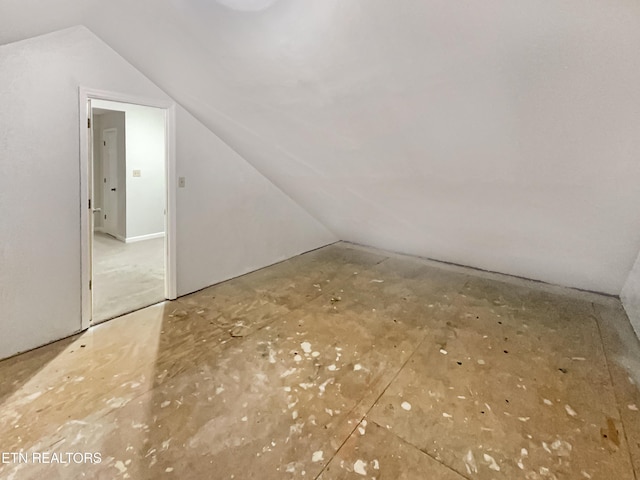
pixel 344 363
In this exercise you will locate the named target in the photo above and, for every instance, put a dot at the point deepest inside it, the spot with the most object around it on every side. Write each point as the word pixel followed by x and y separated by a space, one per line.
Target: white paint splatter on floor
pixel 288 372
pixel 562 448
pixel 323 387
pixel 359 467
pixel 317 456
pixel 470 462
pixel 272 356
pixel 118 402
pixel 492 462
pixel 570 411
pixel 406 406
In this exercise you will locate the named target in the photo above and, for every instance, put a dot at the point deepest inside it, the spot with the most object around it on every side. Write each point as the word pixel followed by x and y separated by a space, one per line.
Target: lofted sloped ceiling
pixel 501 135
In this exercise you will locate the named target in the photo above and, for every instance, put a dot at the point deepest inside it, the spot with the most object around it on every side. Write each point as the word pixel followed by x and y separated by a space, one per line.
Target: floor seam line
pixel 406 442
pixel 597 319
pixel 372 405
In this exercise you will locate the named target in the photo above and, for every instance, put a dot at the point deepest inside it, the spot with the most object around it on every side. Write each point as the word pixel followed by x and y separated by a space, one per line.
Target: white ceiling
pixel 503 135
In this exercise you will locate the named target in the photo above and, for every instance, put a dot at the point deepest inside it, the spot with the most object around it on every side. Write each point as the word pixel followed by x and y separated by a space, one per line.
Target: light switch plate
pixel 137 173
pixel 181 182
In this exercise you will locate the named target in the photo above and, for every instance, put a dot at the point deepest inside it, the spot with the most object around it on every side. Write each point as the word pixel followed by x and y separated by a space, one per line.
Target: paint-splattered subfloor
pixel 342 363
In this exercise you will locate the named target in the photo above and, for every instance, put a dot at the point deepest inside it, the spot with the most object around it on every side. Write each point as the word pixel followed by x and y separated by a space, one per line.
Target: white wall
pixel 144 135
pixel 40 198
pixel 146 197
pixel 232 213
pixel 497 134
pixel 630 296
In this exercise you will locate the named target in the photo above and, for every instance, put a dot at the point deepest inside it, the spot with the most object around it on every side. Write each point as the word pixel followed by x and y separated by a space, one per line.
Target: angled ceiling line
pixel 246 158
pixel 225 140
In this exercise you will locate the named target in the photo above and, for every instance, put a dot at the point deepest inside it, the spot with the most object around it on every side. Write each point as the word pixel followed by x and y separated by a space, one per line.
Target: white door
pixel 110 181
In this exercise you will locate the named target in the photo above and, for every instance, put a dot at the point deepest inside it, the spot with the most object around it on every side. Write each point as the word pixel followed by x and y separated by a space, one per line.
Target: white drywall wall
pixel 40 194
pixel 146 197
pixel 498 134
pixel 144 139
pixel 230 211
pixel 630 296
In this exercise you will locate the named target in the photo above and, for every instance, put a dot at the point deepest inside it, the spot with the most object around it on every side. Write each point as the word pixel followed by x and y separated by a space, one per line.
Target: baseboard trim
pixel 141 238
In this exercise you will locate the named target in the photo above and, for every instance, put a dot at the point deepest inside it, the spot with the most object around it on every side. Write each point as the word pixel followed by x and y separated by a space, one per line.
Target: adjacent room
pixel 128 192
pixel 329 240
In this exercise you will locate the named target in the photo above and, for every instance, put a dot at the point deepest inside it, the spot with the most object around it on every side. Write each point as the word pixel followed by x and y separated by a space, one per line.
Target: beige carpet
pixel 126 276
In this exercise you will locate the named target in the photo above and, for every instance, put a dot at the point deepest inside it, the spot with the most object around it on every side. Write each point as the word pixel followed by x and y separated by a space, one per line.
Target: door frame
pixel 85 95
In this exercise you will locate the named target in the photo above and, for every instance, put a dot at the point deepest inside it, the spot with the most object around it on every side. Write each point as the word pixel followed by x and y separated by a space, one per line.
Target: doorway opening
pixel 127 245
